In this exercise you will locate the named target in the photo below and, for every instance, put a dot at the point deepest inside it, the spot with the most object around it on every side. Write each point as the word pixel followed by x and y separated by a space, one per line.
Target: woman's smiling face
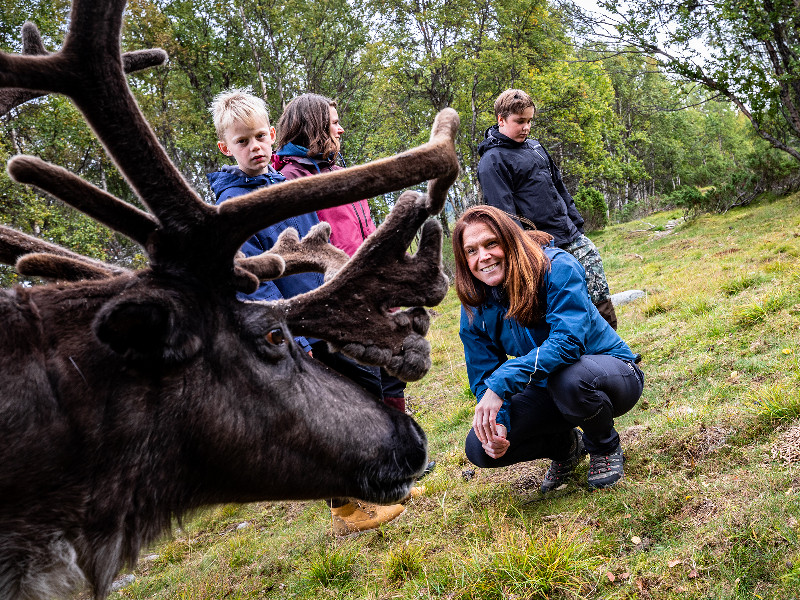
pixel 485 257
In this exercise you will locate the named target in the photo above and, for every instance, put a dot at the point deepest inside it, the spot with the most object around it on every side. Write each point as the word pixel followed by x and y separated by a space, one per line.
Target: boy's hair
pixel 306 122
pixel 512 102
pixel 237 105
pixel 526 265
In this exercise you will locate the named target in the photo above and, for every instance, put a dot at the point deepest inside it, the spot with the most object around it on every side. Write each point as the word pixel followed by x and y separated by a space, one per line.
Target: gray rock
pixel 123 582
pixel 628 296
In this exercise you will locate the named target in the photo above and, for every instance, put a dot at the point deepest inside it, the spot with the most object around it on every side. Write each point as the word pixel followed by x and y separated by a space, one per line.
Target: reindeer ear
pixel 146 329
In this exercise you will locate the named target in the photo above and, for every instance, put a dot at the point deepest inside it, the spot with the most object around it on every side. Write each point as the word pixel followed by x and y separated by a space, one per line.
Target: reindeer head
pixel 159 384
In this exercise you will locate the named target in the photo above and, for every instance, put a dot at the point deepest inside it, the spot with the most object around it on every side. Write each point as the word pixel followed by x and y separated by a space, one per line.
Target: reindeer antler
pixel 289 255
pixel 32 46
pixel 37 257
pixel 183 234
pixel 366 289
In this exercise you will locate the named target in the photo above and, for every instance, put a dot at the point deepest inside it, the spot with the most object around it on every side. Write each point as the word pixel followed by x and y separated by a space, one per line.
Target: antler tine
pixel 270 205
pixel 105 208
pixel 139 60
pixel 380 276
pixel 61 268
pixel 444 126
pixel 32 41
pixel 290 255
pixel 89 70
pixel 32 46
pixel 16 247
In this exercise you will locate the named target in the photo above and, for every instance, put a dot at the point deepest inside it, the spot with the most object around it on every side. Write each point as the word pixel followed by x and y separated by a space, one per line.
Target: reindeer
pixel 130 397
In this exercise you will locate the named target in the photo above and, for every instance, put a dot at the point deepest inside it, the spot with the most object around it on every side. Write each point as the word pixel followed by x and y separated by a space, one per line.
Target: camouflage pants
pixel 586 252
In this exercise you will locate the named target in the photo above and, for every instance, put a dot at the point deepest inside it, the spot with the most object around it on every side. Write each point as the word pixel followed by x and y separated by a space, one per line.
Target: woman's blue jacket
pixel 571 328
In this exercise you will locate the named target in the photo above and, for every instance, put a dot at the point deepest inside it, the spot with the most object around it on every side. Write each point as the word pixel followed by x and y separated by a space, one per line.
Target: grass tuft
pixel 748 315
pixel 775 404
pixel 332 567
pixel 739 284
pixel 656 306
pixel 536 564
pixel 403 562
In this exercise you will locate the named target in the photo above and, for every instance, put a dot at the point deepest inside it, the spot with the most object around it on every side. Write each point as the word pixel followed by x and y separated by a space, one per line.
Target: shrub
pixel 593 208
pixel 690 199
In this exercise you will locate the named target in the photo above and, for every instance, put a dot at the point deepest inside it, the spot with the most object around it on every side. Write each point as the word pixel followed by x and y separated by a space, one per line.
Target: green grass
pixel 705 511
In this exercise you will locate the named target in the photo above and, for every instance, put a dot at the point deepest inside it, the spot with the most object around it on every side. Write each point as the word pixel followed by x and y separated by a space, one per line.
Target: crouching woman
pixel 523 298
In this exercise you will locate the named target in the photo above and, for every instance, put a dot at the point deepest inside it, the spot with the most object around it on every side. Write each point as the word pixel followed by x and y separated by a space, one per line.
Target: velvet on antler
pixel 183 234
pixel 32 46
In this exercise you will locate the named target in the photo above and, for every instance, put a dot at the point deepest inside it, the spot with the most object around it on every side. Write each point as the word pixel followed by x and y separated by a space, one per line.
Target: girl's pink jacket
pixel 350 223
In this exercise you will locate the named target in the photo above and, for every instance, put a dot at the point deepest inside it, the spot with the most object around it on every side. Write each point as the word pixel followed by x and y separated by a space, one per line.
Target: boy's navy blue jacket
pixel 521 179
pixel 230 182
pixel 571 328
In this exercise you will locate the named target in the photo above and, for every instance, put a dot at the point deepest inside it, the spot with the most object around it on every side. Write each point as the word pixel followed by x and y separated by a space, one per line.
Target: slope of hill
pixel 710 503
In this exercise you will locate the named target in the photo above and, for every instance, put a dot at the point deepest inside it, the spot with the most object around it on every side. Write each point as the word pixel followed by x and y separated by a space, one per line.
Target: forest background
pixel 643 105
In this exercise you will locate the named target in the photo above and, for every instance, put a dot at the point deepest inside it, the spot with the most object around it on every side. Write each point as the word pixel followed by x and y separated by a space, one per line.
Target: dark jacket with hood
pixel 521 179
pixel 350 223
pixel 230 182
pixel 571 328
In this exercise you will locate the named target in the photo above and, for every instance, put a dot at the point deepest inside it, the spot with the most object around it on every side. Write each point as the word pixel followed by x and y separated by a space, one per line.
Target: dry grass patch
pixel 786 448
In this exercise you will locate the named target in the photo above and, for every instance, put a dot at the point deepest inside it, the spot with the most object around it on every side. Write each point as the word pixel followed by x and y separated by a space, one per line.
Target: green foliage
pixel 690 199
pixel 593 208
pixel 612 126
pixel 746 54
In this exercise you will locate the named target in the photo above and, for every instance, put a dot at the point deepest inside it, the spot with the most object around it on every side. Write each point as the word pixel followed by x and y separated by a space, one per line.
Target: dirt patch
pixel 699 511
pixel 708 440
pixel 725 252
pixel 633 436
pixel 523 477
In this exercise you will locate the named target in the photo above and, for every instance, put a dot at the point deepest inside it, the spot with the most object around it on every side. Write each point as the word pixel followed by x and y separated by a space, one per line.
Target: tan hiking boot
pixel 414 492
pixel 361 516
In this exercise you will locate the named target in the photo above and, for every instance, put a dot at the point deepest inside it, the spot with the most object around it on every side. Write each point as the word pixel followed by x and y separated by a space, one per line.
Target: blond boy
pixel 245 134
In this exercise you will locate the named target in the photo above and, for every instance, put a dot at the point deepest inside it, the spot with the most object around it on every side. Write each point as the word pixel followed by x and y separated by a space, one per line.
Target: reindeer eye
pixel 276 337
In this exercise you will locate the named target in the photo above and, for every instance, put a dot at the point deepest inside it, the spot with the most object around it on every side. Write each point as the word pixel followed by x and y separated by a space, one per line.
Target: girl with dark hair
pixel 308 141
pixel 569 368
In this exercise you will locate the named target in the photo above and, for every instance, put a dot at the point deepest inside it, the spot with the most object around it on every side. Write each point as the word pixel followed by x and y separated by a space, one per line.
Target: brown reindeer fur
pixel 128 398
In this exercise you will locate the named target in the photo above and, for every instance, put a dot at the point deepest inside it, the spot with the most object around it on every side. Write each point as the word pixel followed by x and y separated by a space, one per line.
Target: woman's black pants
pixel 587 394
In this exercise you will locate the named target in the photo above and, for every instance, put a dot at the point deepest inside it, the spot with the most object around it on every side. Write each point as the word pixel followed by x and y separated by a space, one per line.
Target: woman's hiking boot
pixel 560 470
pixel 605 469
pixel 361 516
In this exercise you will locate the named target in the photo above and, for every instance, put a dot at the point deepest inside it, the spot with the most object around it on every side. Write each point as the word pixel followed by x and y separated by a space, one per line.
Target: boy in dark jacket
pixel 518 176
pixel 244 132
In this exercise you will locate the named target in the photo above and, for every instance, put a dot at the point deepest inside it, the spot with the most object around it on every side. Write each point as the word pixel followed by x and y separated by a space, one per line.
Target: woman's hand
pixel 485 420
pixel 497 447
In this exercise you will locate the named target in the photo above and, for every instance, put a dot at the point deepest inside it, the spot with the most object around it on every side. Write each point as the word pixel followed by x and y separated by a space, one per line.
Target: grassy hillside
pixel 710 503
